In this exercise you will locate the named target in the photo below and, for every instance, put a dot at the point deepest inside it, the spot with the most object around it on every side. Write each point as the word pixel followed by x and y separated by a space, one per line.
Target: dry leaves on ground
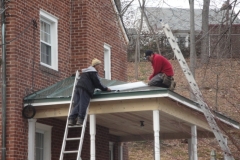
pixel 219 83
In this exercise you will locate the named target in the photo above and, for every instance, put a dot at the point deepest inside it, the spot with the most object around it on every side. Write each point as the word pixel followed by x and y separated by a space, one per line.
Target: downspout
pixel 3 82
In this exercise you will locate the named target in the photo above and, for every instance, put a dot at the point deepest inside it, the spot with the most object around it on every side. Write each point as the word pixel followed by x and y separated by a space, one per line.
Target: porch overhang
pixel 122 113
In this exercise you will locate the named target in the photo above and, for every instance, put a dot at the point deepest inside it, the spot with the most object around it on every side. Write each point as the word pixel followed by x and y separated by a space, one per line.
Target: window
pixel 181 41
pixel 43 142
pixel 48 40
pixel 107 61
pixel 39 145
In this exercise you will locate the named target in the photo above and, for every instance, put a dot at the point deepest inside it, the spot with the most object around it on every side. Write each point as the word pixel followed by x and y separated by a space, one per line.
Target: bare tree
pixel 192 39
pixel 205 33
pixel 137 50
pixel 155 36
pixel 217 68
pixel 193 57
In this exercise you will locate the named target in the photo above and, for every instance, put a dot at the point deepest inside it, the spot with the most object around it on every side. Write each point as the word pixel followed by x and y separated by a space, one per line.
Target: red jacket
pixel 161 65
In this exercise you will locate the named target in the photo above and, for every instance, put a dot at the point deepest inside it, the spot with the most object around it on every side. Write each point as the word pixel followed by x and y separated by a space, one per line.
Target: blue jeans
pixel 81 101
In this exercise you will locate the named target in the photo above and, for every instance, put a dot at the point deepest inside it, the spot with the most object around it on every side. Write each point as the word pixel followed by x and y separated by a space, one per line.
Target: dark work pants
pixel 157 81
pixel 81 101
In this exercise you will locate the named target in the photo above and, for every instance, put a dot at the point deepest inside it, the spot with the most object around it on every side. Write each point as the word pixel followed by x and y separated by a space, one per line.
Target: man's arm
pixel 157 67
pixel 97 82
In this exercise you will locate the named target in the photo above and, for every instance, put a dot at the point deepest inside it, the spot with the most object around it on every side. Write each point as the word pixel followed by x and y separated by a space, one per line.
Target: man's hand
pixel 109 90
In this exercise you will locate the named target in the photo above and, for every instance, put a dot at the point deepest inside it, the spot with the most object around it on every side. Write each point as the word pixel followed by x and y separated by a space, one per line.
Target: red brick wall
pixel 102 141
pixel 19 64
pixel 57 135
pixel 96 24
pixel 76 35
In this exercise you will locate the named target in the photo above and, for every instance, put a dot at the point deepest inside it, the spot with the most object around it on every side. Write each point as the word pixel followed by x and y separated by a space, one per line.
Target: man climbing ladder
pixel 84 91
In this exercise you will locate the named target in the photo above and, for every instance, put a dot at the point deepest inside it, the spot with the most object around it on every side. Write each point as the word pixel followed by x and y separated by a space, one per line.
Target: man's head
pixel 149 55
pixel 95 63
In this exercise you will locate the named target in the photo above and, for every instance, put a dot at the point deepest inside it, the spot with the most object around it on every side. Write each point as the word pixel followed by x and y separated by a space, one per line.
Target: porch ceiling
pixel 123 117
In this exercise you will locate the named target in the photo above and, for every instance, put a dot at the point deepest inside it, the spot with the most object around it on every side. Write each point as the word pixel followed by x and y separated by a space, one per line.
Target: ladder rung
pixel 67 152
pixel 76 126
pixel 73 139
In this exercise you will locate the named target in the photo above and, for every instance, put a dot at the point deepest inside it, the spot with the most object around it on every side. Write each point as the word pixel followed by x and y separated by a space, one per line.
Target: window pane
pixel 45 53
pixel 39 146
pixel 45 32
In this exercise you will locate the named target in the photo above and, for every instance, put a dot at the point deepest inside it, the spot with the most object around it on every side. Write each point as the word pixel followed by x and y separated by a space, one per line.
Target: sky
pixel 184 3
pixel 215 4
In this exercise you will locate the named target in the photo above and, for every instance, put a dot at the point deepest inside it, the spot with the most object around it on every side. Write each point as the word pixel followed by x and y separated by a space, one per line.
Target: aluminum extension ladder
pixel 208 115
pixel 81 138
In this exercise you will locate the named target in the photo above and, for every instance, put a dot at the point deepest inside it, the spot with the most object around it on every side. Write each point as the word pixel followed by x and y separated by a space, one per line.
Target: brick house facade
pixel 84 28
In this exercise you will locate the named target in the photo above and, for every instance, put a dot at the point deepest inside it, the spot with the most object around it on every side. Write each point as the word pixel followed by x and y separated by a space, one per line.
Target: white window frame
pixel 53 21
pixel 47 131
pixel 120 151
pixel 111 144
pixel 107 61
pixel 41 132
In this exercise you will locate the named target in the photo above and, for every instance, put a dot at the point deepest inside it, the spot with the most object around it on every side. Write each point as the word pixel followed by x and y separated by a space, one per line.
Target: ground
pixel 218 82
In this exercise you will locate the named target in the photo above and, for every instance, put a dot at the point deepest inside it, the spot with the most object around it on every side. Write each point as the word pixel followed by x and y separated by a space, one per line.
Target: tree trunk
pixel 119 7
pixel 192 39
pixel 155 36
pixel 192 43
pixel 205 33
pixel 137 50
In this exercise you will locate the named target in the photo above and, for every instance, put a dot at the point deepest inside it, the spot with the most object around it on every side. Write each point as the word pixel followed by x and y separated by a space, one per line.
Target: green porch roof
pixel 62 91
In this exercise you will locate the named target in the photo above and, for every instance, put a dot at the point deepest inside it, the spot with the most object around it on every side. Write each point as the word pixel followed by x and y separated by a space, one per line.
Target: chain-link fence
pixel 147 43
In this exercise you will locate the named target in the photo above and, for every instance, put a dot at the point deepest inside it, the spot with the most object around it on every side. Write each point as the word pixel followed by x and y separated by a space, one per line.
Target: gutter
pixel 3 81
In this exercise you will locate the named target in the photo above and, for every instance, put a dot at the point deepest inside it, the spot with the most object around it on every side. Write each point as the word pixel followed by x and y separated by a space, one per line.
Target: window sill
pixel 49 70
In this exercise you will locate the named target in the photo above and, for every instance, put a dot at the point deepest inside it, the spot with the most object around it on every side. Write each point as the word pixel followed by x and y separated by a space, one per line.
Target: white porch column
pixel 121 151
pixel 92 136
pixel 156 129
pixel 31 138
pixel 192 144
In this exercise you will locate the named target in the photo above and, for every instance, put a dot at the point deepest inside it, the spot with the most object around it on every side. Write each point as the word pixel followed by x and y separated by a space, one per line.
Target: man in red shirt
pixel 162 75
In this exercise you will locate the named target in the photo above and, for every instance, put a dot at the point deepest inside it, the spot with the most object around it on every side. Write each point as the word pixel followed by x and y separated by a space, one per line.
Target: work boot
pixel 71 122
pixel 79 121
